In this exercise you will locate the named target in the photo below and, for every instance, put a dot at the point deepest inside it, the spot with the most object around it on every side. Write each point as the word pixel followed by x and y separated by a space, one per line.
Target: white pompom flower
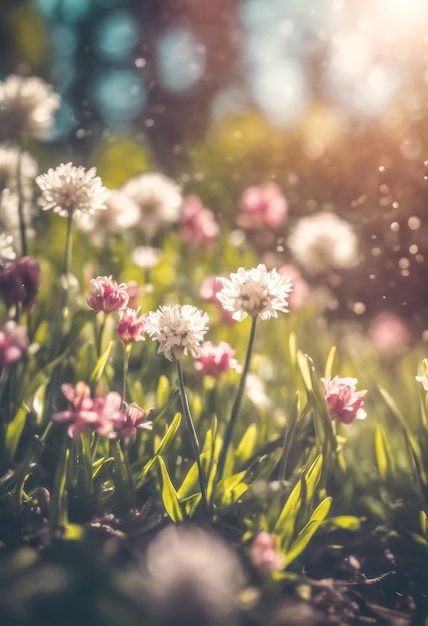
pixel 255 292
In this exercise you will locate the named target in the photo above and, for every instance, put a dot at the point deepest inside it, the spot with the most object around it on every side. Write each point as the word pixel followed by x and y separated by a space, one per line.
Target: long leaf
pixel 169 435
pixel 169 495
pixel 308 531
pixel 14 431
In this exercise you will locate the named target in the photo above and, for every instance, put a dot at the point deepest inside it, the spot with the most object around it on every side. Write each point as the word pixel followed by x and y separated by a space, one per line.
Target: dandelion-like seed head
pixel 158 198
pixel 178 329
pixel 255 292
pixel 70 190
pixel 323 242
pixel 27 105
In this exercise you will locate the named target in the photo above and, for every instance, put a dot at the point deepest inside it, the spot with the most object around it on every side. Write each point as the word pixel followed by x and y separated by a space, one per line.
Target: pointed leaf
pixel 169 495
pixel 100 365
pixel 169 435
pixel 246 446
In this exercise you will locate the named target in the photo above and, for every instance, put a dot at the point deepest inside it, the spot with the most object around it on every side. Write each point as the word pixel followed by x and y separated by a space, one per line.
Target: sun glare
pixel 402 16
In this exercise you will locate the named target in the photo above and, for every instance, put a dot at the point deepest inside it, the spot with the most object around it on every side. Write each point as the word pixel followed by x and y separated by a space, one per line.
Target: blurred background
pixel 328 98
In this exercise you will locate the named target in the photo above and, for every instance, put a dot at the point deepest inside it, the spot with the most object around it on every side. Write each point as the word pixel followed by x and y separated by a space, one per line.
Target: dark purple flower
pixel 20 282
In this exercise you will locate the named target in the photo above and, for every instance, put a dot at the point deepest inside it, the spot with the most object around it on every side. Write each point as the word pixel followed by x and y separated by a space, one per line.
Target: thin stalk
pixel 68 243
pixel 192 433
pixel 127 354
pixel 58 515
pixel 101 332
pixel 22 228
pixel 123 484
pixel 237 403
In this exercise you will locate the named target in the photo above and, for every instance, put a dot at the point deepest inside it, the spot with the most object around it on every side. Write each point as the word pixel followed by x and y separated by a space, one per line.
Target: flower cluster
pixel 323 242
pixel 343 401
pixel 255 292
pixel 158 200
pixel 107 295
pixel 27 105
pixel 215 359
pixel 178 329
pixel 197 222
pixel 263 207
pixel 107 415
pixel 71 190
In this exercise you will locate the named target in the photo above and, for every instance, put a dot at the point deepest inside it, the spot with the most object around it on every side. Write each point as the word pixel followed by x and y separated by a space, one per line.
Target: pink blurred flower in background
pixel 208 291
pixel 197 223
pixel 13 343
pixel 343 401
pixel 215 359
pixel 103 414
pixel 133 289
pixel 107 295
pixel 388 332
pixel 131 327
pixel 263 553
pixel 263 207
pixel 300 293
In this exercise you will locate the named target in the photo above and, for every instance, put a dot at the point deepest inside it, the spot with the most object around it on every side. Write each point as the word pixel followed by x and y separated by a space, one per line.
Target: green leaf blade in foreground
pixel 169 494
pixel 308 531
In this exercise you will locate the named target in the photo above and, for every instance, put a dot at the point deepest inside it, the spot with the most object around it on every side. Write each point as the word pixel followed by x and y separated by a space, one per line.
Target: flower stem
pixel 67 252
pixel 237 403
pixel 128 348
pixel 192 433
pixel 58 515
pixel 22 229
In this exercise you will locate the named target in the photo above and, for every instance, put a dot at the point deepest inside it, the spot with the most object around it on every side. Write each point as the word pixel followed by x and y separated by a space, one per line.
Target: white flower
pixel 9 167
pixel 177 329
pixel 121 214
pixel 7 252
pixel 159 200
pixel 146 257
pixel 9 215
pixel 70 190
pixel 322 242
pixel 26 105
pixel 255 292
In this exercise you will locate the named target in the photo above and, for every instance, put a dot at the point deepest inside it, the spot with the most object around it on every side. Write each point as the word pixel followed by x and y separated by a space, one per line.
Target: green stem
pixel 123 485
pixel 192 433
pixel 59 503
pixel 102 325
pixel 22 229
pixel 128 348
pixel 237 403
pixel 68 242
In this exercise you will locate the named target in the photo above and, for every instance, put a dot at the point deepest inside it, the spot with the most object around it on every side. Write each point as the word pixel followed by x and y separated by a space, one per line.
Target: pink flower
pixel 13 343
pixel 208 292
pixel 101 413
pixel 133 289
pixel 343 401
pixel 20 281
pixel 197 222
pixel 388 332
pixel 107 295
pixel 215 359
pixel 263 207
pixel 133 417
pixel 300 294
pixel 131 328
pixel 263 553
